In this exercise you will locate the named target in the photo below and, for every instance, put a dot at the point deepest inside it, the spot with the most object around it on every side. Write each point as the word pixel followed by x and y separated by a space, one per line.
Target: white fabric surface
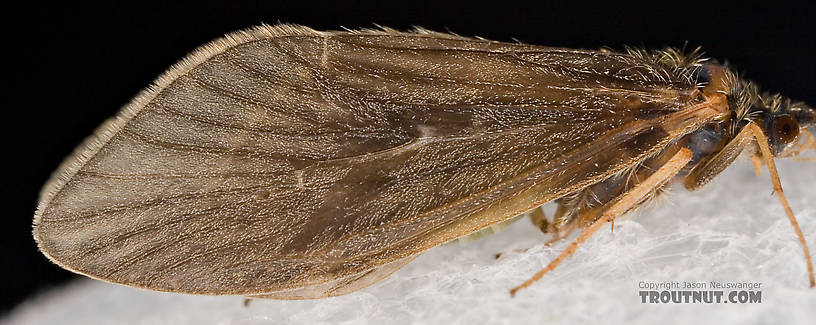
pixel 732 230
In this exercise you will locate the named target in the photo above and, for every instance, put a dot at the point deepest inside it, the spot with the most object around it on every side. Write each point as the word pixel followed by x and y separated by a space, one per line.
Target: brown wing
pixel 281 157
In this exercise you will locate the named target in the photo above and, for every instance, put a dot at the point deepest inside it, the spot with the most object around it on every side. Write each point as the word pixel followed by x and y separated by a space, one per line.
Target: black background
pixel 74 66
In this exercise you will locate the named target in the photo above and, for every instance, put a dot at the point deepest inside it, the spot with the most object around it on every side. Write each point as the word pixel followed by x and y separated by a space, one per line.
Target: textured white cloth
pixel 732 230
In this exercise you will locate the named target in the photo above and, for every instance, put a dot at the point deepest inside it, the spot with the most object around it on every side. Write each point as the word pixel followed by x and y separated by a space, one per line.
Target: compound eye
pixel 786 129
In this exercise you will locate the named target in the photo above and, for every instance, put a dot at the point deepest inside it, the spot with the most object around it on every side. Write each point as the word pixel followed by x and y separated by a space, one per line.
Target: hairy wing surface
pixel 281 157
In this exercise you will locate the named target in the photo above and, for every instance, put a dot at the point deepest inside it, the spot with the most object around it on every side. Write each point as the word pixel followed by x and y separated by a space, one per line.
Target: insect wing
pixel 281 157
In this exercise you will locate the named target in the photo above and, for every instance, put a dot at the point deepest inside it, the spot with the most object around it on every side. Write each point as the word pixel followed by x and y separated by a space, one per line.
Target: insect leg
pixel 757 161
pixel 713 165
pixel 809 143
pixel 539 219
pixel 564 221
pixel 625 203
pixel 560 218
pixel 765 149
pixel 562 232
